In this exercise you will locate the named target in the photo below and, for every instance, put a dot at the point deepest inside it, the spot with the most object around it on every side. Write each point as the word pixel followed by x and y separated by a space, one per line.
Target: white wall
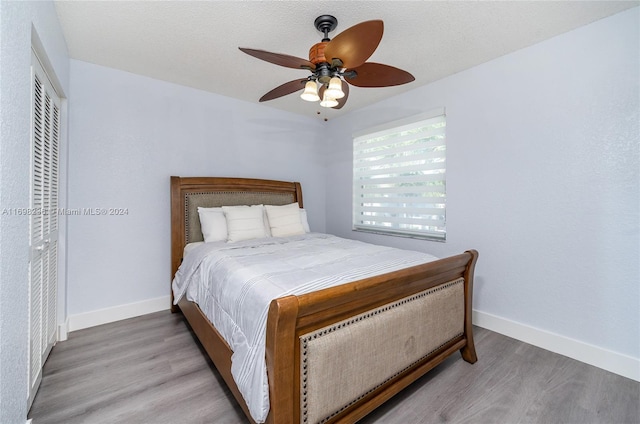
pixel 17 20
pixel 542 178
pixel 128 135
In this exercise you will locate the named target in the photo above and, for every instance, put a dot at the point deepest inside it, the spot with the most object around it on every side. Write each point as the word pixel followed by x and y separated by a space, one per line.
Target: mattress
pixel 234 283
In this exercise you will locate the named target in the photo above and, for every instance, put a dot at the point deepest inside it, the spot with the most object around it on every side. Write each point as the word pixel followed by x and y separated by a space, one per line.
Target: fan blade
pixel 355 45
pixel 284 89
pixel 342 101
pixel 378 75
pixel 280 59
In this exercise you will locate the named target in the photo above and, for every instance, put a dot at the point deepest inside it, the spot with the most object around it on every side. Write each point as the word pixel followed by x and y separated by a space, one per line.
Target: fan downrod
pixel 325 24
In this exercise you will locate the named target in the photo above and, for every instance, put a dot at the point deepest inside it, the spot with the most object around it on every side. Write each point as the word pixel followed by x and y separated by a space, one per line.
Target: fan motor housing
pixel 323 72
pixel 316 53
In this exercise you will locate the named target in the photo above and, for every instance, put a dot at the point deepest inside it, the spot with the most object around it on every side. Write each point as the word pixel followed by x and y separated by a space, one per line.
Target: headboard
pixel 190 192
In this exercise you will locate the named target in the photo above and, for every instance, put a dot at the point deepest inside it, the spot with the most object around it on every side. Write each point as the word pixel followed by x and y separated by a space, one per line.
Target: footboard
pixel 336 354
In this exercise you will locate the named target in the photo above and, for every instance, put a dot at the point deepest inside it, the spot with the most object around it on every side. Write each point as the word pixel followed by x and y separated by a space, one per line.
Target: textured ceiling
pixel 195 43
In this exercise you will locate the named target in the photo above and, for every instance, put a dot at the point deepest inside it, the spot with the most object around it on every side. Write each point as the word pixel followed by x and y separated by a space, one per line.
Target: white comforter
pixel 234 283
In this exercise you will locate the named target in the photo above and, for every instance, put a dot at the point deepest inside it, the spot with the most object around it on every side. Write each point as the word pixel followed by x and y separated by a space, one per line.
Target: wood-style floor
pixel 151 370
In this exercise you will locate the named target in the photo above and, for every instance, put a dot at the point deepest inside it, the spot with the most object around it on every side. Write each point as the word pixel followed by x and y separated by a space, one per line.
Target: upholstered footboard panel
pixel 344 362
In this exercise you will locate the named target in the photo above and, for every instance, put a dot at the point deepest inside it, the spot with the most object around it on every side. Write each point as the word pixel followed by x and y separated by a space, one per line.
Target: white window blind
pixel 399 178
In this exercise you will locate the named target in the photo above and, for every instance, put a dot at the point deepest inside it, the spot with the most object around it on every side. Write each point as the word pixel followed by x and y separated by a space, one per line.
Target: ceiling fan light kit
pixel 334 64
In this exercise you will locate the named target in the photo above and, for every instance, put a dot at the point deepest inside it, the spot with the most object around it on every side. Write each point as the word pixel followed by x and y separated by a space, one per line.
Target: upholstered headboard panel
pixel 211 199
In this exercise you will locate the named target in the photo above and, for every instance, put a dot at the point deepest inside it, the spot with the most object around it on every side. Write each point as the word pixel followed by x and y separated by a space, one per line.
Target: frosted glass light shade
pixel 310 92
pixel 335 88
pixel 328 101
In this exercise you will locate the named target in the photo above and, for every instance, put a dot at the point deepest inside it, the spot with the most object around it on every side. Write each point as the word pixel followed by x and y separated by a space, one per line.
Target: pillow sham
pixel 213 224
pixel 244 222
pixel 267 229
pixel 305 222
pixel 285 220
pixel 303 219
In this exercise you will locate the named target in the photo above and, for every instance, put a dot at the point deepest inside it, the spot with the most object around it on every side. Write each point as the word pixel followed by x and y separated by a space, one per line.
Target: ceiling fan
pixel 334 64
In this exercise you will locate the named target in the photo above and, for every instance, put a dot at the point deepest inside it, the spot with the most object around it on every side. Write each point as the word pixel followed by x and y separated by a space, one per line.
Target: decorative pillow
pixel 267 228
pixel 213 224
pixel 285 220
pixel 244 222
pixel 305 222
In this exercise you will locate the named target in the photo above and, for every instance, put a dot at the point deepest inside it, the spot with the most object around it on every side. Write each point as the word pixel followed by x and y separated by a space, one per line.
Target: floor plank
pixel 150 369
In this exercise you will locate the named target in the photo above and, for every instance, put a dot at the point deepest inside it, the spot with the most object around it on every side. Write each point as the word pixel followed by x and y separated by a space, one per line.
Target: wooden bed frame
pixel 292 317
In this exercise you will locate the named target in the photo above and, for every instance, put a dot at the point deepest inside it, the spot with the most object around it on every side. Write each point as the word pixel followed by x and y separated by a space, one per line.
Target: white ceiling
pixel 195 43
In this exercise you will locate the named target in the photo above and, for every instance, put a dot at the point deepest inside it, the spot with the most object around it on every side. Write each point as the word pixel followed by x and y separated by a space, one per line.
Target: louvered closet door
pixel 43 270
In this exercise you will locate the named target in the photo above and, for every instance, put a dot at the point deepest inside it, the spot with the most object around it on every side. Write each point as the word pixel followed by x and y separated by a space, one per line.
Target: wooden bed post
pixel 281 360
pixel 469 350
pixel 177 231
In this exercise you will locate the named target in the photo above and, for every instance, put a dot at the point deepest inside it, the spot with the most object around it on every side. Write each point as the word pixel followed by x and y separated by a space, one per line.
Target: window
pixel 399 178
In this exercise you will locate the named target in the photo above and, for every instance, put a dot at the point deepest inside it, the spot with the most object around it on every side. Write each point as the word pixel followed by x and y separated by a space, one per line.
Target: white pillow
pixel 213 224
pixel 244 222
pixel 305 222
pixel 266 221
pixel 303 219
pixel 285 220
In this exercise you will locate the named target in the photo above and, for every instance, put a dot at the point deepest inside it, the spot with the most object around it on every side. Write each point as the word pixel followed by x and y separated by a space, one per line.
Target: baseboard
pixel 63 330
pixel 117 313
pixel 614 362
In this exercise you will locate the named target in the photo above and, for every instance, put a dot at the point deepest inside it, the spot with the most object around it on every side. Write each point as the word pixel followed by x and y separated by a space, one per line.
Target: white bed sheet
pixel 189 247
pixel 234 283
